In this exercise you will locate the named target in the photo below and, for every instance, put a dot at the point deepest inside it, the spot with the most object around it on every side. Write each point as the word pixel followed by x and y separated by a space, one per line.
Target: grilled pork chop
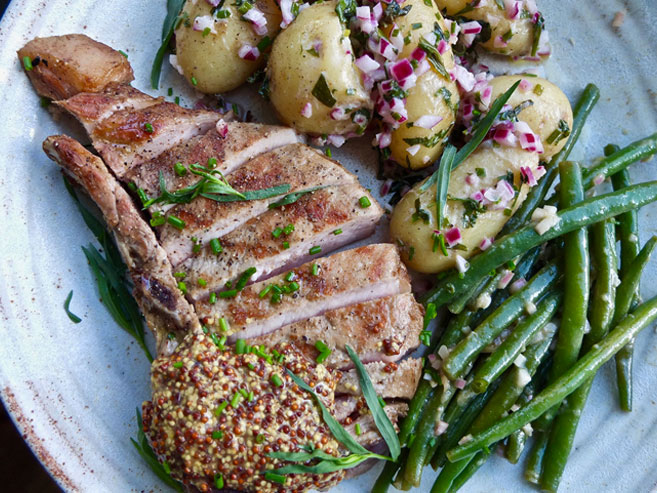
pixel 384 329
pixel 390 380
pixel 330 217
pixel 343 279
pixel 155 289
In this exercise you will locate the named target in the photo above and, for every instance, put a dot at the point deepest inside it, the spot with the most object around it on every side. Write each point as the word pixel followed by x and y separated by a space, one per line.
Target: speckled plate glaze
pixel 72 389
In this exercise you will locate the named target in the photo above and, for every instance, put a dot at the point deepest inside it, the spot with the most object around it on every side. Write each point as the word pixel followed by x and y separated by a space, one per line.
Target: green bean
pixel 621 159
pixel 515 446
pixel 508 351
pixel 534 465
pixel 537 194
pixel 469 348
pixel 387 475
pixel 628 233
pixel 448 475
pixel 578 374
pixel 583 214
pixel 625 297
pixel 576 277
pixel 414 411
pixel 459 304
pixel 479 460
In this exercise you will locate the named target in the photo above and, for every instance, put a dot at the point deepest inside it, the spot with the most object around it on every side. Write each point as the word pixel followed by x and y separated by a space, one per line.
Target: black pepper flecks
pixel 215 413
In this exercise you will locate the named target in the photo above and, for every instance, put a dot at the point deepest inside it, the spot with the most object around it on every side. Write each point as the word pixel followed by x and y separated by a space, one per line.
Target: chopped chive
pixel 277 232
pixel 382 402
pixel 180 169
pixel 170 91
pixel 231 293
pixel 216 247
pixel 148 128
pixel 321 346
pixel 177 100
pixel 219 481
pixel 322 357
pixel 314 270
pixel 74 318
pixel 315 250
pixel 364 202
pixel 213 298
pixel 220 409
pixel 212 162
pixel 240 346
pixel 276 380
pixel 358 430
pixel 289 276
pixel 244 393
pixel 244 278
pixel 202 282
pixel 194 81
pixel 251 396
pixel 260 438
pixel 178 364
pixel 180 275
pixel 205 32
pixel 481 172
pixel 236 399
pixel 217 435
pixel 223 324
pixel 286 245
pixel 288 229
pixel 328 152
pixel 229 284
pixel 337 231
pixel 27 63
pixel 158 219
pixel 275 478
pixel 176 222
pixel 276 298
pixel 216 340
pixel 293 286
pixel 123 53
pixel 183 287
pixel 263 292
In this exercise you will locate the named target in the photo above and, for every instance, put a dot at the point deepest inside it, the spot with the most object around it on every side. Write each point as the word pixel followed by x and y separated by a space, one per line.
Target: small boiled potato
pixel 312 48
pixel 522 29
pixel 433 94
pixel 416 237
pixel 212 60
pixel 550 107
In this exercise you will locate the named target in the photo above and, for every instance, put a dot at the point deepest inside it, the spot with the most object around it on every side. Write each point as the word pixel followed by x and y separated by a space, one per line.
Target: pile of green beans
pixel 521 363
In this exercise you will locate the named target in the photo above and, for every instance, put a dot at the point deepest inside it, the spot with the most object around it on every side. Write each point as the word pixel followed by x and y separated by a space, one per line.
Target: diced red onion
pixel 485 244
pixel 525 85
pixel 528 175
pixel 397 40
pixel 385 187
pixel 517 285
pixel 467 108
pixel 222 128
pixel 531 7
pixel 443 46
pixel 428 121
pixel 248 52
pixel 173 60
pixel 452 236
pixel 544 48
pixel 513 8
pixel 203 22
pixel 286 12
pixel 418 54
pixel 598 179
pixel 430 38
pixel 459 383
pixel 257 19
pixel 214 3
pixel 377 11
pixel 366 64
pixel 336 140
pixel 364 17
pixel 462 265
pixel 401 70
pixel 408 82
pixel 307 110
pixel 387 49
pixel 413 150
pixel 338 113
pixel 472 27
pixel 422 67
pixel 464 77
pixel 505 137
pixel 383 139
pixel 505 279
pixel 498 42
pixel 528 139
pixel 472 179
pixel 540 171
pixel 440 428
pixel 486 96
pixel 477 196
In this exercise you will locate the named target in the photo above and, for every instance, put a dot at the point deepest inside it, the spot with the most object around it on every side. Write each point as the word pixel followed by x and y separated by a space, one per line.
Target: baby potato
pixel 519 31
pixel 546 116
pixel 433 95
pixel 413 220
pixel 210 60
pixel 314 85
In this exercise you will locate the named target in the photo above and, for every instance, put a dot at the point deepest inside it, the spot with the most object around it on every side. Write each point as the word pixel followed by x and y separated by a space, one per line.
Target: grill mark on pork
pixel 242 142
pixel 364 326
pixel 345 278
pixel 64 66
pixel 315 217
pixel 155 288
pixel 297 165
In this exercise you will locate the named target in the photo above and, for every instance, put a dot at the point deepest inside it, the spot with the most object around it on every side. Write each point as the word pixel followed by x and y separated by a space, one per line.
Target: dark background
pixel 19 470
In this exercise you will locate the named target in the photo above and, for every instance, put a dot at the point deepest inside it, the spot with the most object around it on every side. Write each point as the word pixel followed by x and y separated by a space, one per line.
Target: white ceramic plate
pixel 72 389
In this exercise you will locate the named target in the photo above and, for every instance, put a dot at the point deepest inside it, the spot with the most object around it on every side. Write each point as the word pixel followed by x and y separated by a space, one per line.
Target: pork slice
pixel 63 66
pixel 345 278
pixel 383 329
pixel 90 108
pixel 130 137
pixel 316 217
pixel 155 288
pixel 390 380
pixel 344 407
pixel 242 141
pixel 296 165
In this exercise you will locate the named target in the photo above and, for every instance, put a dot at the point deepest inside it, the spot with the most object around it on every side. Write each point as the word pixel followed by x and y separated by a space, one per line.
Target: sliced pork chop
pixel 90 108
pixel 296 165
pixel 316 218
pixel 155 288
pixel 383 329
pixel 63 66
pixel 241 142
pixel 390 380
pixel 128 138
pixel 345 278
